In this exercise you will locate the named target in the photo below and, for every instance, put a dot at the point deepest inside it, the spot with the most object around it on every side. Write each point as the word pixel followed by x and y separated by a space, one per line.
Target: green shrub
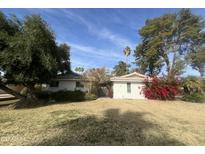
pixel 193 85
pixel 61 95
pixel 89 96
pixel 43 95
pixel 194 97
pixel 68 96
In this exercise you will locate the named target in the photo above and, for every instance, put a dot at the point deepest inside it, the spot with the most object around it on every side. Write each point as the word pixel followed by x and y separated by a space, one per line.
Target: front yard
pixel 105 122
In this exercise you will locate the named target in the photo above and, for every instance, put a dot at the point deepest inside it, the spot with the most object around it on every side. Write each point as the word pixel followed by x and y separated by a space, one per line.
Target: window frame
pixel 129 87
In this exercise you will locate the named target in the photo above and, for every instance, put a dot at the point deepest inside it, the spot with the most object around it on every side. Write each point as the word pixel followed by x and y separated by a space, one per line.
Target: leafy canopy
pixel 97 76
pixel 193 85
pixel 127 51
pixel 79 69
pixel 63 59
pixel 29 53
pixel 174 34
pixel 121 69
pixel 197 60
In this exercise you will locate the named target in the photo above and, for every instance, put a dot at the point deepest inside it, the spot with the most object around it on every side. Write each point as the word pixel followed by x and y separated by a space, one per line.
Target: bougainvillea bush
pixel 161 88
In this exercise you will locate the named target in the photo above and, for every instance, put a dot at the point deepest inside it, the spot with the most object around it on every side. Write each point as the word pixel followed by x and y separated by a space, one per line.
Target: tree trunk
pixel 10 91
pixel 201 71
pixel 168 69
pixel 126 66
pixel 110 92
pixel 31 93
pixel 171 68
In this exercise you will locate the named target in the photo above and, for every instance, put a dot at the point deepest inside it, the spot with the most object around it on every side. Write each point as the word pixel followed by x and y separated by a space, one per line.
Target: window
pixel 128 87
pixel 54 84
pixel 79 85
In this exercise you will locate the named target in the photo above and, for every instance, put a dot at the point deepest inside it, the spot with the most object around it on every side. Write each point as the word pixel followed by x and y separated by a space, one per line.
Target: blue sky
pixel 97 36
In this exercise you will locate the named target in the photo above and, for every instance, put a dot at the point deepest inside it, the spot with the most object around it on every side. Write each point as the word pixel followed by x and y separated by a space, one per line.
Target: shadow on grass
pixel 113 128
pixel 40 103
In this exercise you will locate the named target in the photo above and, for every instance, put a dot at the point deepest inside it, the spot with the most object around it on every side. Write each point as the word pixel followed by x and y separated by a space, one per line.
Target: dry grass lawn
pixel 105 122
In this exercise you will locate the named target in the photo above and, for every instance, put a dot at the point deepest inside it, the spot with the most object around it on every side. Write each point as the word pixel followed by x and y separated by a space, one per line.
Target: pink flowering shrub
pixel 161 88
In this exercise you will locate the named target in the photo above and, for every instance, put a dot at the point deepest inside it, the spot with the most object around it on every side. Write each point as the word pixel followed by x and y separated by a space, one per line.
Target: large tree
pixel 166 40
pixel 9 27
pixel 121 69
pixel 97 76
pixel 29 54
pixel 197 60
pixel 63 59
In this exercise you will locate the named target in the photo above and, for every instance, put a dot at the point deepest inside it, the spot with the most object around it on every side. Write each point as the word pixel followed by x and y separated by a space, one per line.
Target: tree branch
pixel 10 91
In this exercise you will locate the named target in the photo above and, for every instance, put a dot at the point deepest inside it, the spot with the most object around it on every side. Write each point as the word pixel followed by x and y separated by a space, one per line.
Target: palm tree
pixel 127 52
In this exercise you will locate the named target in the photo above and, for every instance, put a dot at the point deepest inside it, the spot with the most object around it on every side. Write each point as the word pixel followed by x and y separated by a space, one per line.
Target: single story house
pixel 128 86
pixel 70 82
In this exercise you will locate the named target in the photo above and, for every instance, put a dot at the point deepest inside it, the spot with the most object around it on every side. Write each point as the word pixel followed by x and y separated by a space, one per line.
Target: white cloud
pixel 116 39
pixel 79 62
pixel 108 54
pixel 98 30
pixel 101 32
pixel 99 57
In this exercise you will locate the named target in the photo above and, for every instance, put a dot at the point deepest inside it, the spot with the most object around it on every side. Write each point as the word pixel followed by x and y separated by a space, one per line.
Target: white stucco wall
pixel 64 85
pixel 67 85
pixel 120 90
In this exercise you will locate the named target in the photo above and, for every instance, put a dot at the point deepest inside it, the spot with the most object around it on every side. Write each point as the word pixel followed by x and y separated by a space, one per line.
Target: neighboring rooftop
pixel 70 76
